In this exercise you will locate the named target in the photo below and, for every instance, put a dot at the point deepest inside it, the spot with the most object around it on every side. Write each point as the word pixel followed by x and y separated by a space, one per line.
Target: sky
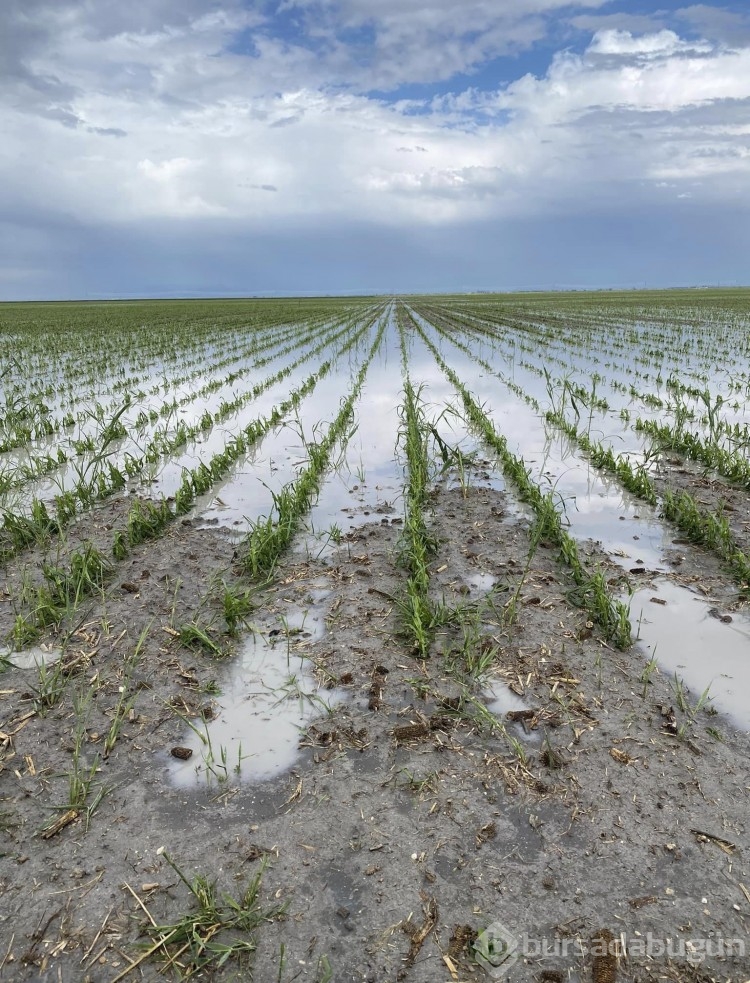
pixel 246 147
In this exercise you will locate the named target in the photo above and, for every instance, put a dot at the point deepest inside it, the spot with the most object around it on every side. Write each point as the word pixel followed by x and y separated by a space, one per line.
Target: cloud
pixel 631 110
pixel 107 131
pixel 121 116
pixel 639 23
pixel 659 44
pixel 717 23
pixel 382 46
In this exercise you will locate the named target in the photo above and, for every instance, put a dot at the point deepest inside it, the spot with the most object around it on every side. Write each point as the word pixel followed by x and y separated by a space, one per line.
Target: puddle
pixel 500 699
pixel 268 696
pixel 39 655
pixel 703 650
pixel 480 584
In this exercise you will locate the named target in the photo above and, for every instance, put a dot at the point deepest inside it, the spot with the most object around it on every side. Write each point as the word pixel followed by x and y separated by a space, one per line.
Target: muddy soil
pixel 711 491
pixel 587 815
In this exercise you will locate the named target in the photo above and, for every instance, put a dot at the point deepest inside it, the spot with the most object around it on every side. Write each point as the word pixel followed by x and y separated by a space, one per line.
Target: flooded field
pixel 333 631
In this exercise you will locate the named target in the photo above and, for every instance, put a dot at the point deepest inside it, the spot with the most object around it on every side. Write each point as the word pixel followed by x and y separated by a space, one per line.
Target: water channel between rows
pixel 269 694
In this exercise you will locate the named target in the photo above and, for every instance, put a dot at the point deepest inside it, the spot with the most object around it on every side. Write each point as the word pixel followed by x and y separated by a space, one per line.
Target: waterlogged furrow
pixel 88 571
pixel 595 508
pixel 269 537
pixel 581 358
pixel 81 350
pixel 366 484
pixel 20 529
pixel 95 415
pixel 687 615
pixel 127 433
pixel 701 525
pixel 235 503
pixel 232 415
pixel 148 519
pixel 593 593
pixel 54 403
pixel 206 353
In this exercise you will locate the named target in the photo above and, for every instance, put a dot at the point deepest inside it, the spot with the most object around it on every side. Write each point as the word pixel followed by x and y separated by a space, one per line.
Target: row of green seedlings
pixel 25 420
pixel 617 335
pixel 576 343
pixel 21 403
pixel 89 570
pixel 631 478
pixel 62 591
pixel 701 526
pixel 679 407
pixel 103 478
pixel 732 465
pixel 718 426
pixel 526 338
pixel 418 545
pixel 163 443
pixel 291 340
pixel 591 591
pixel 268 537
pixel 147 519
pixel 420 617
pixel 81 346
pixel 594 401
pixel 24 472
pixel 575 390
pixel 446 332
pixel 19 474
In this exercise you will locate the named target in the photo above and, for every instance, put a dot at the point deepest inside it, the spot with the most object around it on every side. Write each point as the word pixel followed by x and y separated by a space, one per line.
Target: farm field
pixel 335 633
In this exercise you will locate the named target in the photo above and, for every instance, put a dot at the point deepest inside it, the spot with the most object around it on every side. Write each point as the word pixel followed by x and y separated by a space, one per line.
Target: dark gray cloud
pixel 717 23
pixel 622 21
pixel 107 131
pixel 601 249
pixel 38 32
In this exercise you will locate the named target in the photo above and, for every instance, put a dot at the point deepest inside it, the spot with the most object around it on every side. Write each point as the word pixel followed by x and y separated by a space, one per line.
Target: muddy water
pixel 696 638
pixel 247 493
pixel 268 696
pixel 633 535
pixel 32 658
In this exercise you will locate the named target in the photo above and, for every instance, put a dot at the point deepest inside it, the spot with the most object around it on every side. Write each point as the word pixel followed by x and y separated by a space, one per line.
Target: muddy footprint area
pixel 528 803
